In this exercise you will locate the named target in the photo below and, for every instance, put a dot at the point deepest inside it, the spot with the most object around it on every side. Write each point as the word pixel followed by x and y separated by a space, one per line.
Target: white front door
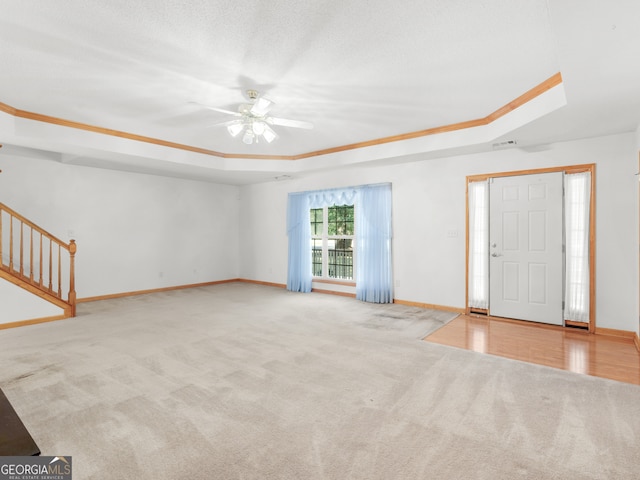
pixel 525 247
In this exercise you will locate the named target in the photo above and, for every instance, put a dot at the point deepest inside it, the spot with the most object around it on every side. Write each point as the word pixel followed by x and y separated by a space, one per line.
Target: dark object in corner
pixel 15 440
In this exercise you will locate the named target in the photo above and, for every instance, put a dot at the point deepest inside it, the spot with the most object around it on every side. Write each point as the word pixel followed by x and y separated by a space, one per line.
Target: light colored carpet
pixel 240 381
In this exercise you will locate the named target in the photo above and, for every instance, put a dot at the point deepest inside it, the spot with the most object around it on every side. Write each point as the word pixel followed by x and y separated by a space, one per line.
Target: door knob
pixel 494 254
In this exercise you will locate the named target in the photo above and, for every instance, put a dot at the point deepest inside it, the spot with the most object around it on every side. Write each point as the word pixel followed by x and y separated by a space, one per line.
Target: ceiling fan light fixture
pixel 248 136
pixel 269 135
pixel 258 127
pixel 253 122
pixel 235 129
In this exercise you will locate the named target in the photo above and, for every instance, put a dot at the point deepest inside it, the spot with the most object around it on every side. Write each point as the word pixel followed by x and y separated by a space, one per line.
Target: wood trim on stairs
pixel 33 321
pixel 25 277
pixel 29 223
pixel 25 284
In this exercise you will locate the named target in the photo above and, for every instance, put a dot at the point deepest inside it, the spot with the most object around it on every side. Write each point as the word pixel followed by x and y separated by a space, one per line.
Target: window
pixel 332 241
pixel 478 232
pixel 314 237
pixel 577 232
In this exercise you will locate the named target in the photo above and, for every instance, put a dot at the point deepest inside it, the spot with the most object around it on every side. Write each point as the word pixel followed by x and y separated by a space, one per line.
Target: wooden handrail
pixel 49 283
pixel 15 214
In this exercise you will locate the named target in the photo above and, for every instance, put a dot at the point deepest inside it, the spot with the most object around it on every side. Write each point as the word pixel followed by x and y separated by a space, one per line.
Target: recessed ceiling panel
pixel 357 70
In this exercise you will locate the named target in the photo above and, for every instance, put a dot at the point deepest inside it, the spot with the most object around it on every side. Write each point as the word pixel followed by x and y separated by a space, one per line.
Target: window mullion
pixel 325 242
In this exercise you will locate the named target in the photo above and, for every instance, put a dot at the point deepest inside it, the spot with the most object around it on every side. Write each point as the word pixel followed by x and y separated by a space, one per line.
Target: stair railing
pixel 36 257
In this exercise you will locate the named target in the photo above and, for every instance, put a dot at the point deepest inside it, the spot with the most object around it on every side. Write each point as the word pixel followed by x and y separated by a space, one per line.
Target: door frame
pixel 591 326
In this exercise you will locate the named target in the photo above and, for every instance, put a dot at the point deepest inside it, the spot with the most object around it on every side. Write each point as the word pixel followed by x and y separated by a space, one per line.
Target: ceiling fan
pixel 253 120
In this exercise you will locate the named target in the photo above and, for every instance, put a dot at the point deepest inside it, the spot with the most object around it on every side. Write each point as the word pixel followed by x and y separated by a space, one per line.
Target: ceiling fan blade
pixel 225 124
pixel 221 110
pixel 261 106
pixel 284 122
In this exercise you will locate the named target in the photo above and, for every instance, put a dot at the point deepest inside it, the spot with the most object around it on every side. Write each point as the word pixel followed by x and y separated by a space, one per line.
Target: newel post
pixel 72 276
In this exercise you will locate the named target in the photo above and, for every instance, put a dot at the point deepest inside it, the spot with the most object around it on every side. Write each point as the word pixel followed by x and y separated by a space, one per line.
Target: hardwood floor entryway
pixel 616 358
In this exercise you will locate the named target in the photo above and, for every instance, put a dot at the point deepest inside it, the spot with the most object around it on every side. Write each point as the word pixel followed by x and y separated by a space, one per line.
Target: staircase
pixel 37 261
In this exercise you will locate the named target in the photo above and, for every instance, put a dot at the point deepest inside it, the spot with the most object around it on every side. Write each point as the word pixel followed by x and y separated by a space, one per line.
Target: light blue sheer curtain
pixel 299 231
pixel 374 279
pixel 335 196
pixel 373 238
pixel 299 275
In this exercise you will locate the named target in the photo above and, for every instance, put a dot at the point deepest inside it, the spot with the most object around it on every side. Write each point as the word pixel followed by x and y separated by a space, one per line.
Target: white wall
pixel 18 305
pixel 429 221
pixel 138 232
pixel 134 232
pixel 638 177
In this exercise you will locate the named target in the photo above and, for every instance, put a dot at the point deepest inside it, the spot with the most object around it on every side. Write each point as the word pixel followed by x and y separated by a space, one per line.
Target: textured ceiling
pixel 358 70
